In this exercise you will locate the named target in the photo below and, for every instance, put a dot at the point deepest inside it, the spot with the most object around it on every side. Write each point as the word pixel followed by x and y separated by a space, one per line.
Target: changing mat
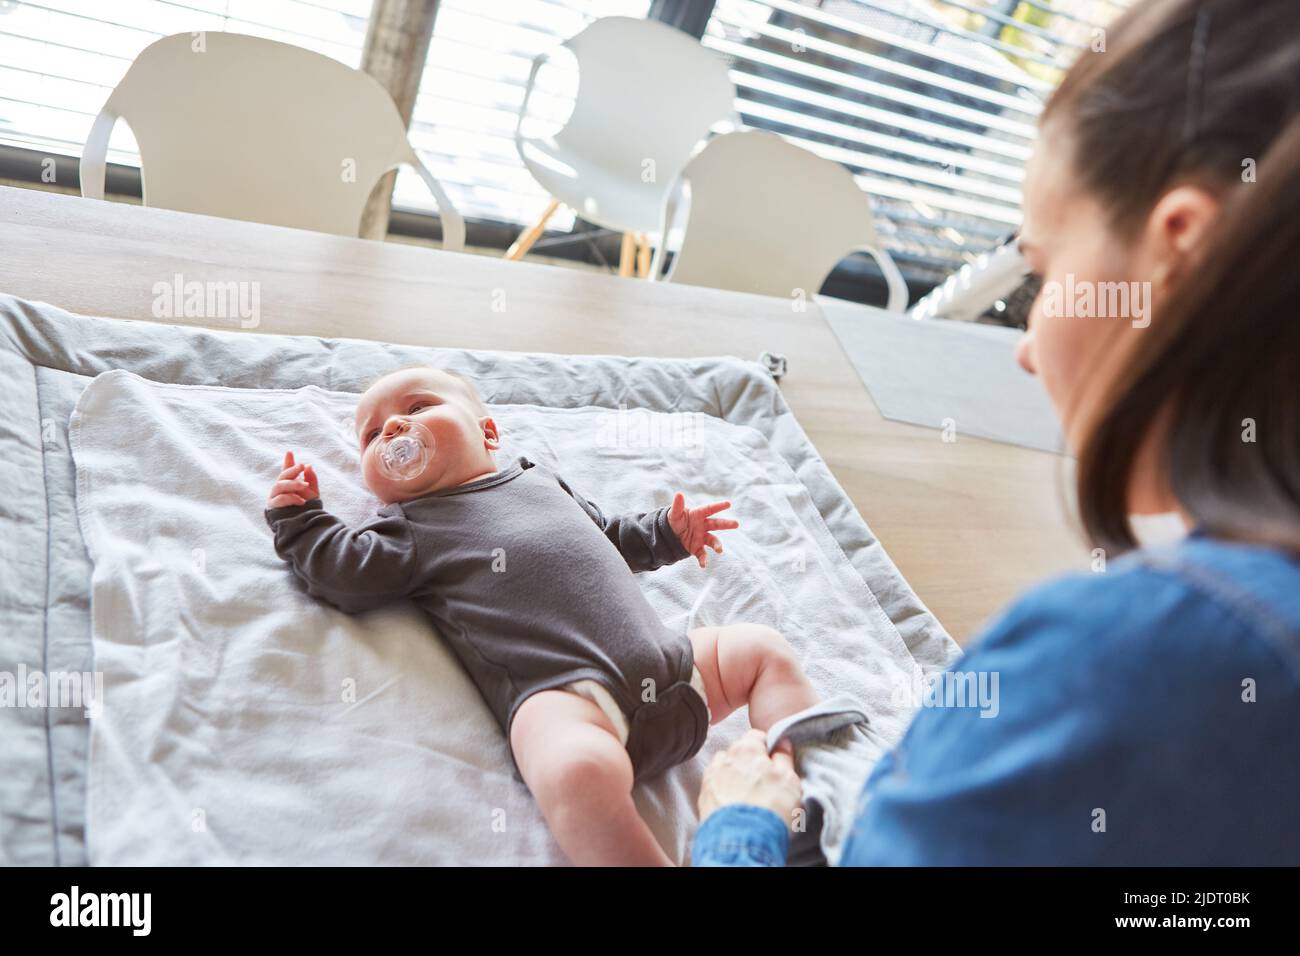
pixel 243 722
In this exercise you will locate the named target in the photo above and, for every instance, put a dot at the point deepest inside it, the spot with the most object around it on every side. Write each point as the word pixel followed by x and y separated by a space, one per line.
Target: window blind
pixel 931 104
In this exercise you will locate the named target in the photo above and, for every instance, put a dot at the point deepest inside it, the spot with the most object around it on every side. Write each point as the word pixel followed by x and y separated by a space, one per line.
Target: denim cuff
pixel 739 834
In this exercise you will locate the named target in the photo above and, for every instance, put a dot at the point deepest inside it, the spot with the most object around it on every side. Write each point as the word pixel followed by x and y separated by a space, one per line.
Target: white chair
pixel 766 216
pixel 647 94
pixel 246 128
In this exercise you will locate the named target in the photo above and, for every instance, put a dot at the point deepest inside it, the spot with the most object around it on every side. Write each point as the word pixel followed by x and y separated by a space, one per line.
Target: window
pixel 60 59
pixel 931 103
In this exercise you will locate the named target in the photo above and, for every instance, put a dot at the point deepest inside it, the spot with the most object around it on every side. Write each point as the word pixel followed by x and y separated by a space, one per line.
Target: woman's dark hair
pixel 1204 92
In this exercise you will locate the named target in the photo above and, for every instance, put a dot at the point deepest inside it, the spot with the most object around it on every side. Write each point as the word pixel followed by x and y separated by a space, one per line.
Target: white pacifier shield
pixel 406 454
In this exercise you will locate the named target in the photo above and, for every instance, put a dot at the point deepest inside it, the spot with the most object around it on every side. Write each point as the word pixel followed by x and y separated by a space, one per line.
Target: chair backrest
pixel 248 128
pixel 646 91
pixel 766 216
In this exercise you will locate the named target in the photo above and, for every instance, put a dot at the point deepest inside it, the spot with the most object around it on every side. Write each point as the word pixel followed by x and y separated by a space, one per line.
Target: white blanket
pixel 244 722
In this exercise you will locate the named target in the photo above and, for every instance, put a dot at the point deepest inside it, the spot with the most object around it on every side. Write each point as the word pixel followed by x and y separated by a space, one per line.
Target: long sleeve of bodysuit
pixel 355 569
pixel 645 539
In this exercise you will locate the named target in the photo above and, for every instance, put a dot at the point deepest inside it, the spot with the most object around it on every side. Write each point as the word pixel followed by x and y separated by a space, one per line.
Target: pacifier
pixel 407 453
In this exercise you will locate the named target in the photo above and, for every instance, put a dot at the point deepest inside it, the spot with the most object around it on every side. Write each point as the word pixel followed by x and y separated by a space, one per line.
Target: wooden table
pixel 969 523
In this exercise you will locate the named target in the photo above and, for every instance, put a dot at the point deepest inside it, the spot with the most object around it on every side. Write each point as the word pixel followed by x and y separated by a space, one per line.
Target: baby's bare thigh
pixel 561 740
pixel 729 656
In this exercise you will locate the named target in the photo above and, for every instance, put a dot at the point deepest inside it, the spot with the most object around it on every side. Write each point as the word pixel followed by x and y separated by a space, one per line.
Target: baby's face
pixel 464 435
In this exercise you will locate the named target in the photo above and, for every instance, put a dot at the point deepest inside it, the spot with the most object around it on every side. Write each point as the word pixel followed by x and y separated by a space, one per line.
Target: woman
pixel 1149 714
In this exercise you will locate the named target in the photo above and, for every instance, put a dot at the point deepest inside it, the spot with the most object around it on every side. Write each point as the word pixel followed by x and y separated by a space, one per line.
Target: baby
pixel 532 585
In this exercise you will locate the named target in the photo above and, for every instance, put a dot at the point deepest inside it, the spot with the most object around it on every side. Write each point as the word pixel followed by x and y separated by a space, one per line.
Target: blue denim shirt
pixel 1148 715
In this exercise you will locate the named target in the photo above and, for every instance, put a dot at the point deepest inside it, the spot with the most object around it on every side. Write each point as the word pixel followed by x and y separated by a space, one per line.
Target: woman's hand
pixel 744 773
pixel 694 527
pixel 296 485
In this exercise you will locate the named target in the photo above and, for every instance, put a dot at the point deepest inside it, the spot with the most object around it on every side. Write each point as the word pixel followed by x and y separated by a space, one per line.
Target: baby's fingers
pixel 290 487
pixel 721 524
pixel 713 543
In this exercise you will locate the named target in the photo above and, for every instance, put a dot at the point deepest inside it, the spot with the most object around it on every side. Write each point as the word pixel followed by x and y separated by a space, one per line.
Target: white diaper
pixel 603 699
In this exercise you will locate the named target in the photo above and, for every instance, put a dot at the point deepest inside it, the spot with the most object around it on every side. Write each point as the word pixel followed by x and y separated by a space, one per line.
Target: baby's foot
pixel 834 749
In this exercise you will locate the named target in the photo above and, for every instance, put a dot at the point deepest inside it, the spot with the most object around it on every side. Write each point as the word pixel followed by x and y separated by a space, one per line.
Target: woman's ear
pixel 491 439
pixel 1181 219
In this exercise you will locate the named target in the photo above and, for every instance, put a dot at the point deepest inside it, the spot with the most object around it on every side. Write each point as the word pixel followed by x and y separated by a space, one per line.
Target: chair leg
pixel 642 256
pixel 627 254
pixel 519 248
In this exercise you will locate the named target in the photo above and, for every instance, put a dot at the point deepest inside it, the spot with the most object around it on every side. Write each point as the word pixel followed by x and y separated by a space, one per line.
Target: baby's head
pixel 425 403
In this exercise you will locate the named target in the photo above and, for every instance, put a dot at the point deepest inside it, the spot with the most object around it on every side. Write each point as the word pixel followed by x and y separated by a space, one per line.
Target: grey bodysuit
pixel 532 586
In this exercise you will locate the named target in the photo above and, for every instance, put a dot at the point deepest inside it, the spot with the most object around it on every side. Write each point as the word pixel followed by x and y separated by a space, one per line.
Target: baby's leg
pixel 581 776
pixel 751 664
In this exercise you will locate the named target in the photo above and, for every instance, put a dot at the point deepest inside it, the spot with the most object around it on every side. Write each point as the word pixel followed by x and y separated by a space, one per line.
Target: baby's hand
pixel 296 485
pixel 694 526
